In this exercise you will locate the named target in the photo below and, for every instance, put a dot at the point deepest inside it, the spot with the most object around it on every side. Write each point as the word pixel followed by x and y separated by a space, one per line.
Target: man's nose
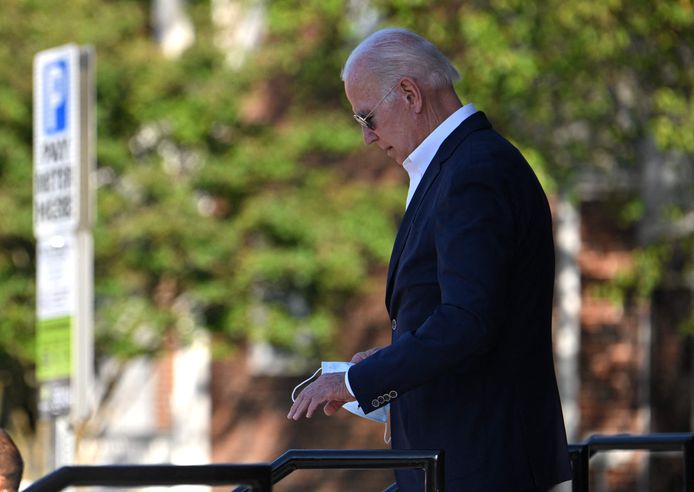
pixel 369 136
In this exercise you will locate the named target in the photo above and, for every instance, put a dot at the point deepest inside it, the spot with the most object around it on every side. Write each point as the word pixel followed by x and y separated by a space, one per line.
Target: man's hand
pixel 334 405
pixel 329 388
pixel 360 356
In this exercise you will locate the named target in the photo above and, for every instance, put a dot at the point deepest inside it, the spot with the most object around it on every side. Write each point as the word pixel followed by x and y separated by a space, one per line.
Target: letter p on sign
pixel 55 96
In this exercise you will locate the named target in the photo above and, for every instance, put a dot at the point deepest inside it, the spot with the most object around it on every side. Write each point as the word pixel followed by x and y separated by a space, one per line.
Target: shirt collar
pixel 417 162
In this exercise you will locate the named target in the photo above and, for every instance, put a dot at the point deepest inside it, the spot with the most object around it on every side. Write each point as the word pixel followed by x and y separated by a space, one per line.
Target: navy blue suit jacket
pixel 469 292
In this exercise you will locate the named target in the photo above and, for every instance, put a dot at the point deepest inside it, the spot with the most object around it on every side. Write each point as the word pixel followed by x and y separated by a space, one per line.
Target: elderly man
pixel 469 288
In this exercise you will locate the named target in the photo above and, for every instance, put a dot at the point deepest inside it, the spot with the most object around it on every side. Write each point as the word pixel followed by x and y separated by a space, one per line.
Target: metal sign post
pixel 64 136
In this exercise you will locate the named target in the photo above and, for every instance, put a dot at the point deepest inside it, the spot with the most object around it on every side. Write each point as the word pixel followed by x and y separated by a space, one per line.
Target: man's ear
pixel 413 94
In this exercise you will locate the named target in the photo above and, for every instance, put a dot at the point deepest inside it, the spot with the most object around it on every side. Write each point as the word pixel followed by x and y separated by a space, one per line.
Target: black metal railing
pixel 261 477
pixel 365 459
pixel 581 453
pixel 258 478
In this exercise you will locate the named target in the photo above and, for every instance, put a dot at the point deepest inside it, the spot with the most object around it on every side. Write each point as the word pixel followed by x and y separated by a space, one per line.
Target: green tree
pixel 235 200
pixel 592 92
pixel 211 215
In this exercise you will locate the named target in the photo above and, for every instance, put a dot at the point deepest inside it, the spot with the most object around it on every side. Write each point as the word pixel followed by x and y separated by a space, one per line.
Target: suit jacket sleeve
pixel 473 228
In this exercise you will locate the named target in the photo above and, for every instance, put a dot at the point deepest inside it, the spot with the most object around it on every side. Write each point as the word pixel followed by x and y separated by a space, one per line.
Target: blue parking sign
pixel 56 86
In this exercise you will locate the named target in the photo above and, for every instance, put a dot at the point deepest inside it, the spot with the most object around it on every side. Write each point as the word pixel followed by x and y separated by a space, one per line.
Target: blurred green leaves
pixel 233 200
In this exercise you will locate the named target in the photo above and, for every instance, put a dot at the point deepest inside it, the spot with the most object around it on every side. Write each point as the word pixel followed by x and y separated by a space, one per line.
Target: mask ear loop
pixel 386 432
pixel 304 382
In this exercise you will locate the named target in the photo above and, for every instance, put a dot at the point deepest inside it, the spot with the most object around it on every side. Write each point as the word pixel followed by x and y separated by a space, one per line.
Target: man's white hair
pixel 390 54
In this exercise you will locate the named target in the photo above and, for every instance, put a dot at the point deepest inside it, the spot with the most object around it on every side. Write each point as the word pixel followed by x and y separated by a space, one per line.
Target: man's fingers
pixel 305 406
pixel 332 406
pixel 292 411
pixel 298 408
pixel 360 356
pixel 312 407
pixel 327 388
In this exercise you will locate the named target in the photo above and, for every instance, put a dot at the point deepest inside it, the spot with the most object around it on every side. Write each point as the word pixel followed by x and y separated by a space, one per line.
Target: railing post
pixel 430 461
pixel 434 474
pixel 580 455
pixel 688 462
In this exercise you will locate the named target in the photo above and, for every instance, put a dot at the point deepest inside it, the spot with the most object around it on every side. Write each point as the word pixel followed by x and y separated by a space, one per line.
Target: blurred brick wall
pixel 672 382
pixel 249 413
pixel 616 344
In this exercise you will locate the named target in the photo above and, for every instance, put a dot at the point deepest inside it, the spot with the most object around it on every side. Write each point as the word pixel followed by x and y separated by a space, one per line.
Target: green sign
pixel 53 348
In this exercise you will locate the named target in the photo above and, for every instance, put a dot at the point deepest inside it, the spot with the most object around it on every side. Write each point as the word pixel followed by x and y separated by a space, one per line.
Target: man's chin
pixel 390 152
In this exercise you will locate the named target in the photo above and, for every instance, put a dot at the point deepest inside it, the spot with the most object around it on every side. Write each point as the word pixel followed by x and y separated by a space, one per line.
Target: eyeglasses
pixel 367 121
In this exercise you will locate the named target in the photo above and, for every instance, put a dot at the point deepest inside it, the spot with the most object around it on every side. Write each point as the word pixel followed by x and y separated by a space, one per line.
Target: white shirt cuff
pixel 349 388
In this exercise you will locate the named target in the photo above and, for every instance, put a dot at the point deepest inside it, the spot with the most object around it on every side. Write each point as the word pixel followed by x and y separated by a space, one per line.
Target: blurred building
pixel 623 366
pixel 157 411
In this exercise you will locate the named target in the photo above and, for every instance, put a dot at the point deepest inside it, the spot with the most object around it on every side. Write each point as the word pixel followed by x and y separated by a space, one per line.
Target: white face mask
pixel 378 415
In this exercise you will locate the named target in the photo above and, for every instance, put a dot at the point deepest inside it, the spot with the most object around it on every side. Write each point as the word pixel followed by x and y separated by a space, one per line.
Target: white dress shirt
pixel 418 161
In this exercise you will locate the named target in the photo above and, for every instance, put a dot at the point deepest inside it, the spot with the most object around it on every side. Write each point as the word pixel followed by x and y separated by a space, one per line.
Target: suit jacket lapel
pixel 474 122
pixel 408 219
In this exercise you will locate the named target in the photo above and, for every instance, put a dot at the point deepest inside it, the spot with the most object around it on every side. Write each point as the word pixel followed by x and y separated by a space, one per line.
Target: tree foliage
pixel 597 93
pixel 227 199
pixel 222 203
